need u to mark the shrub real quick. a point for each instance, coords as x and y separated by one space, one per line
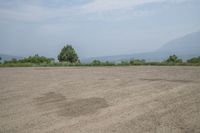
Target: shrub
137 62
194 60
124 63
36 59
96 63
107 63
173 59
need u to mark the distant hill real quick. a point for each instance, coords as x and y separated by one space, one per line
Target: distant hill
9 57
185 47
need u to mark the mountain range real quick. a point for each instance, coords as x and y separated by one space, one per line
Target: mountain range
184 47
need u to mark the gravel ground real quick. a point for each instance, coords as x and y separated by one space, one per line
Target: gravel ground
141 99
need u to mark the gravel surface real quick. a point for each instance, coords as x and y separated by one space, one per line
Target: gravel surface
143 99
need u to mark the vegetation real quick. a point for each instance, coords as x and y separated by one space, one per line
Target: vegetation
173 59
36 59
137 62
96 63
99 63
124 63
69 57
195 60
68 54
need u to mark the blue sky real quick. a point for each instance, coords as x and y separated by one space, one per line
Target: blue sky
94 27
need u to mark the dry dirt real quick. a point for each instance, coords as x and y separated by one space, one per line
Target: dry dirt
100 100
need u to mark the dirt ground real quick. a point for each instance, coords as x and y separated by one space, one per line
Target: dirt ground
139 99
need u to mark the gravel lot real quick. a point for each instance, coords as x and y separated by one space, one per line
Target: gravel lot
141 99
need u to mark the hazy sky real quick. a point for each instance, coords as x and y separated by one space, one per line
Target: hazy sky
93 27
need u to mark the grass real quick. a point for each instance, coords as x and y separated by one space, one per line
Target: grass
66 64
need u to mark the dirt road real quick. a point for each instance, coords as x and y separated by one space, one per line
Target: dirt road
100 100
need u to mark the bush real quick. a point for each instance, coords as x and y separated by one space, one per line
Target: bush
96 63
195 60
107 63
36 59
137 62
173 59
124 63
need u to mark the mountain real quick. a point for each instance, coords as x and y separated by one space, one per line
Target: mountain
9 57
150 56
188 45
184 47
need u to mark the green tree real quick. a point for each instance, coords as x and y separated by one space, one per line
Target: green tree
194 60
174 59
68 54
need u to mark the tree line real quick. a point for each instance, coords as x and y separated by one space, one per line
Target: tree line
69 57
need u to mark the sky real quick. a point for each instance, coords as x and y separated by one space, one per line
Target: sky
94 27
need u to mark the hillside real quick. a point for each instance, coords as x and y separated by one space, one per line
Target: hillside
188 45
185 47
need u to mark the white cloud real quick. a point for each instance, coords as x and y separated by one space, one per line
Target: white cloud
110 5
110 8
25 13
